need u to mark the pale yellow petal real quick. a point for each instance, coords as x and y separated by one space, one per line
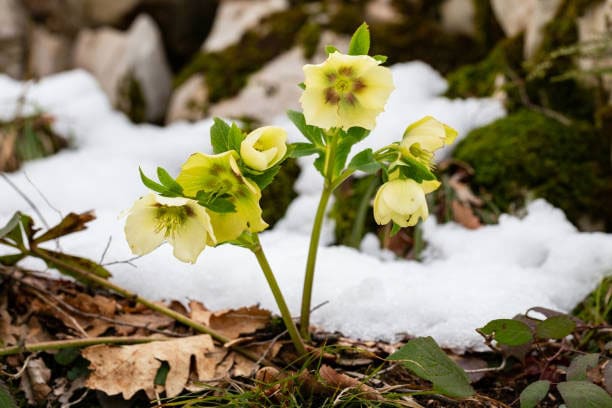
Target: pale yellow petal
356 115
317 111
141 229
190 240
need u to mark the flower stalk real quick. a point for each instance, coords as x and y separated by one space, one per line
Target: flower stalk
257 250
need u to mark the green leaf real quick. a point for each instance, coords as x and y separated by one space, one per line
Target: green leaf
347 140
583 394
427 360
577 370
360 42
416 170
219 132
67 356
302 86
556 327
219 204
69 224
10 225
74 261
263 179
6 399
364 161
162 373
169 182
534 393
395 228
380 58
11 260
312 133
304 149
152 185
330 49
235 138
509 332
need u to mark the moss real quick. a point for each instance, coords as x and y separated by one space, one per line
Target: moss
478 80
226 72
348 199
278 195
527 153
28 138
131 99
308 37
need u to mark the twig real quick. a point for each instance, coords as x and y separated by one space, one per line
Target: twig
21 370
110 239
127 261
76 324
78 343
75 402
44 197
26 198
100 317
269 348
487 369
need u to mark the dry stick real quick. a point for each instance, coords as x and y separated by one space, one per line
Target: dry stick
26 198
151 305
63 344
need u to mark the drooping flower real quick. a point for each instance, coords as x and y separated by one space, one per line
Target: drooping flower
345 91
401 201
220 175
264 147
180 221
425 136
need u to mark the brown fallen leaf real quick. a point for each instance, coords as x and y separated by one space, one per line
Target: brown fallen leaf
341 381
462 190
231 323
35 381
463 214
128 369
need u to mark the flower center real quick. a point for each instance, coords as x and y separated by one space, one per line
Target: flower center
171 218
422 155
343 86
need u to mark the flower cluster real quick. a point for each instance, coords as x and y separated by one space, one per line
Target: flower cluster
212 201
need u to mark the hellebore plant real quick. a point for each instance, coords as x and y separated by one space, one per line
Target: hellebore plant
214 199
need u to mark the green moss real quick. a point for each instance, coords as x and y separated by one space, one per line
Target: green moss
348 199
478 80
278 195
308 37
131 99
527 153
227 71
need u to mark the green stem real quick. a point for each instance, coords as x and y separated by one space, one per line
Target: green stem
278 296
328 188
143 301
78 343
362 211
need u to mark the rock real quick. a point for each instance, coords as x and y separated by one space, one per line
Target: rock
49 53
184 25
594 25
128 65
273 90
13 37
188 101
269 92
235 17
381 11
59 16
108 12
458 17
544 12
513 15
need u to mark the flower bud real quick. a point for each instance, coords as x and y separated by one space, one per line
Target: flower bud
401 201
423 137
264 147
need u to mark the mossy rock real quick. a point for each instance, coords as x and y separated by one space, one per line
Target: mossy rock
529 154
277 196
227 71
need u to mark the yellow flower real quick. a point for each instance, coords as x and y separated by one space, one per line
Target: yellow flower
401 201
219 174
345 91
424 137
180 221
264 147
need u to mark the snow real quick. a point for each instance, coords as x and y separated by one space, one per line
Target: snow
468 277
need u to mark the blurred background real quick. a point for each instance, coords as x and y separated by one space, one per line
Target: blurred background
548 61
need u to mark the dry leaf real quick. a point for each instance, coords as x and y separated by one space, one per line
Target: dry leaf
341 381
463 191
128 369
231 323
462 214
35 381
